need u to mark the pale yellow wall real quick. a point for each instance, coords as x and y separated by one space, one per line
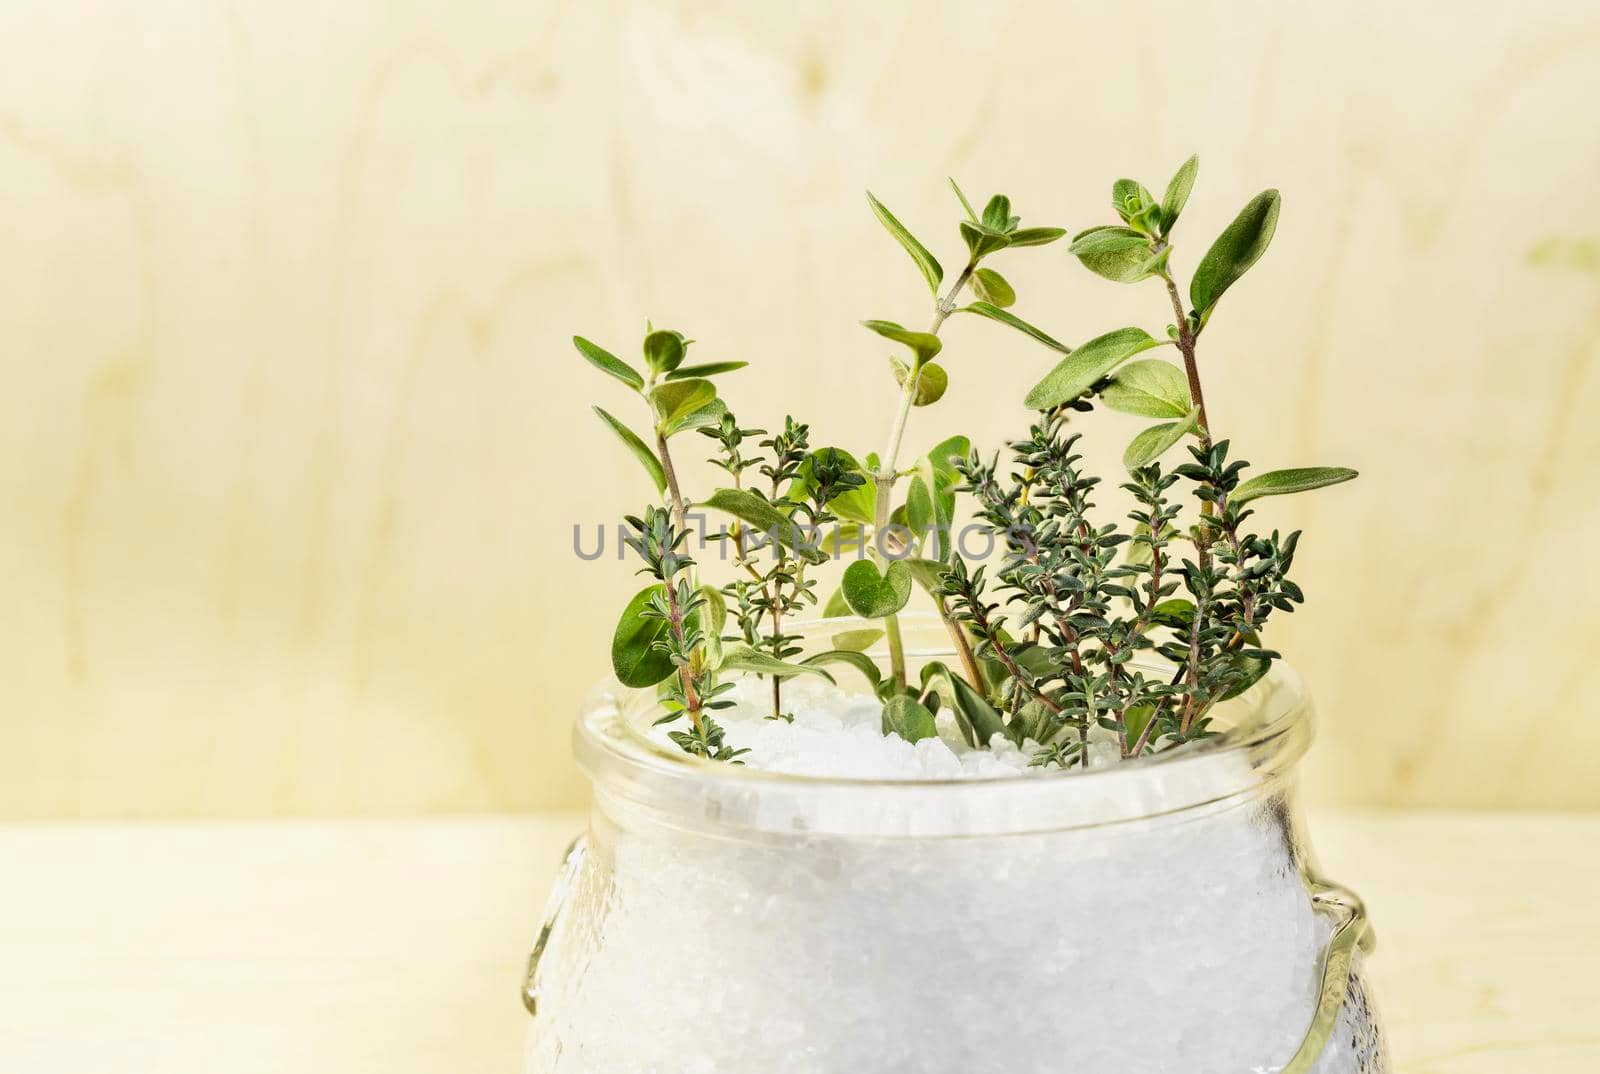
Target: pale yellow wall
288 407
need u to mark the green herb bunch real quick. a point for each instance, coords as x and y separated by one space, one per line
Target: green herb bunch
1046 639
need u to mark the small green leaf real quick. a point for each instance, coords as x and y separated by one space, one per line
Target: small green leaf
923 344
929 573
982 241
710 369
992 288
942 455
931 382
1117 253
1151 444
925 261
965 204
1252 668
872 595
860 661
767 520
664 350
1177 195
854 640
909 718
858 504
1136 719
995 313
745 658
607 362
1077 373
1283 482
677 399
1125 197
1176 613
845 538
997 214
1035 236
1149 388
1239 246
640 449
700 418
634 655
968 704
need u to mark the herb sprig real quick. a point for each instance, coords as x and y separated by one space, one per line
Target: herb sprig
1046 638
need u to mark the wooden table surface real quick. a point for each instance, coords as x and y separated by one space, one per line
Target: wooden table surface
395 946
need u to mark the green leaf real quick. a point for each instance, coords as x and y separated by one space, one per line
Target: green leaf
1177 195
1283 482
1125 197
699 418
992 288
942 454
634 655
929 573
1151 444
1117 253
931 382
995 313
1176 613
859 503
1252 667
909 718
930 514
872 595
710 369
767 520
1239 246
745 658
965 204
843 538
607 362
997 214
664 350
1077 373
1149 388
675 400
855 640
640 449
1035 236
970 705
860 661
923 344
926 263
982 241
1136 719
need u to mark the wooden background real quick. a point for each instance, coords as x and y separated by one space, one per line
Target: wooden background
292 441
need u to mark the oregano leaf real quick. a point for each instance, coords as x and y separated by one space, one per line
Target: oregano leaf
710 369
924 345
1117 253
1078 371
1240 245
1151 444
1177 195
995 313
1284 482
638 447
909 718
1149 388
992 288
926 263
768 521
664 350
874 595
931 382
607 362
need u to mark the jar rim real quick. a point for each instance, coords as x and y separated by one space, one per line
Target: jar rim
1266 730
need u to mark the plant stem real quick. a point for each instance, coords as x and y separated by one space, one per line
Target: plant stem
681 515
885 478
1186 344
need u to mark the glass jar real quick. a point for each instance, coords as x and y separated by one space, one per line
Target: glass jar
1159 915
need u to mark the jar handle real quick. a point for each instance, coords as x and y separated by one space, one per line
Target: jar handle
1352 931
552 914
